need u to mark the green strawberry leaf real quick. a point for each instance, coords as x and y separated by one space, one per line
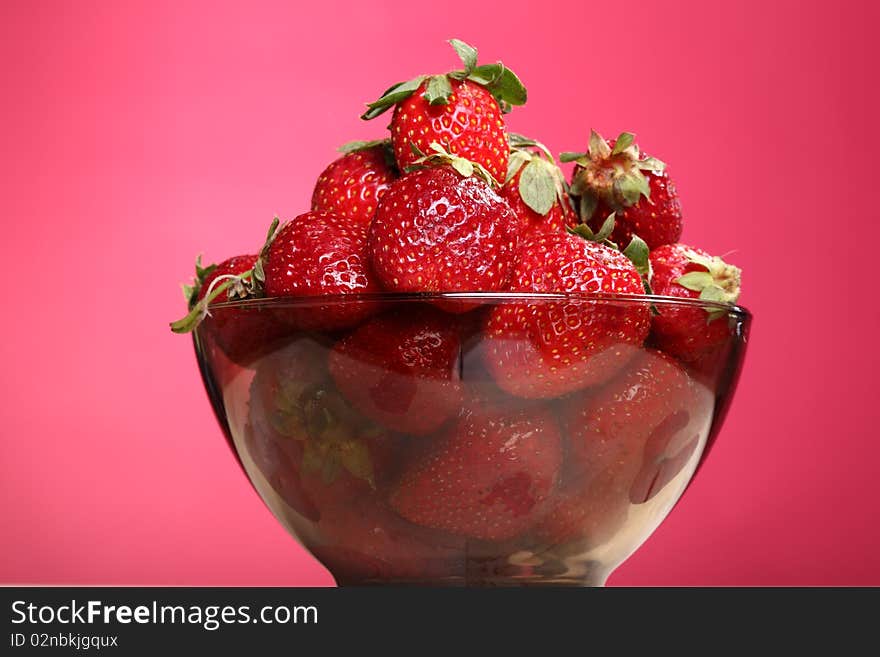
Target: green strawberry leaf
631 186
203 272
392 96
501 83
587 206
696 281
438 90
651 164
259 273
466 53
537 186
638 253
517 160
569 156
355 458
355 146
713 293
191 292
520 141
606 229
623 141
599 148
464 167
582 230
486 74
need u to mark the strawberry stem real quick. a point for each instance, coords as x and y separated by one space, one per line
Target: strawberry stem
195 316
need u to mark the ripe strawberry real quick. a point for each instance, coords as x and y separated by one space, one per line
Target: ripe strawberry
461 110
692 333
627 440
440 230
352 185
401 369
646 416
487 477
332 466
306 437
243 334
320 254
364 541
536 190
614 177
543 349
281 471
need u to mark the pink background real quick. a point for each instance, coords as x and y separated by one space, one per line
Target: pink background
136 135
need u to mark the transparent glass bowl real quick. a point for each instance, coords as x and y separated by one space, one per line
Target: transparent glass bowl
439 439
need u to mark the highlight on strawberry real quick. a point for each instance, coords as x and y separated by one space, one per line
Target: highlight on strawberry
459 365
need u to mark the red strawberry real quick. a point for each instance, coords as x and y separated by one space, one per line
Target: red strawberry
283 398
364 542
320 254
627 440
401 369
292 398
243 334
687 332
437 230
461 110
352 185
536 190
614 177
487 477
542 349
273 459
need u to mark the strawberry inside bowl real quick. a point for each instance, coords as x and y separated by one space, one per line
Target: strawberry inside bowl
495 438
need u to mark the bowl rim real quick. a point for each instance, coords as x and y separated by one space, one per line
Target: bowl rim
423 297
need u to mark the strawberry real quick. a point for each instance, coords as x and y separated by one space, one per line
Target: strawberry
352 185
280 470
284 385
461 110
332 466
306 438
364 541
615 177
543 349
443 229
614 461
243 334
401 369
320 254
486 477
687 332
536 189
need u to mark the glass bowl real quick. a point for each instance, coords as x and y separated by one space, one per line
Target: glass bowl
475 439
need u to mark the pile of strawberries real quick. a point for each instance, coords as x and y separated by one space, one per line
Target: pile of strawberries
452 202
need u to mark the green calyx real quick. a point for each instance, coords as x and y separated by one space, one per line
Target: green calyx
613 175
191 292
636 251
719 282
439 156
601 237
500 81
247 285
541 183
319 417
358 146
